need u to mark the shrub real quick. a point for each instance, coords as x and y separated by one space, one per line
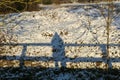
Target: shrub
47 1
19 6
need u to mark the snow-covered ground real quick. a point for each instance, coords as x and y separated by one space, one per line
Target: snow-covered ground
74 37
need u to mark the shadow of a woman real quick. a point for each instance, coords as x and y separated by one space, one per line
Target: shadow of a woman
58 50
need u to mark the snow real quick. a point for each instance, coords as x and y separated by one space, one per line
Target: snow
63 36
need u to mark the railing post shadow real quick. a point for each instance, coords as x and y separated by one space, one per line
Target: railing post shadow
105 56
23 55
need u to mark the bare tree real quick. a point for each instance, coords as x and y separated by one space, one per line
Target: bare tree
108 21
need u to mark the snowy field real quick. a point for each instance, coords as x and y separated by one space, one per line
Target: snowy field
73 37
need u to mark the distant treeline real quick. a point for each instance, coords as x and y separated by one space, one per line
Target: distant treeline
7 6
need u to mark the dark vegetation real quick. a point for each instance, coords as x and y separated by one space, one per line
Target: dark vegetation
52 73
9 6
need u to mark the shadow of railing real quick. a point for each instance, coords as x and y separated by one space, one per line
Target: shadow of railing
58 55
